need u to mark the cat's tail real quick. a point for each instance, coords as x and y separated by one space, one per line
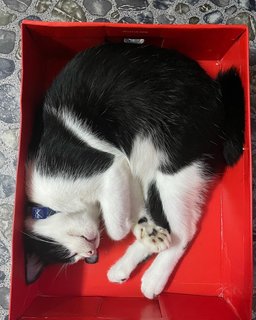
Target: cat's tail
233 100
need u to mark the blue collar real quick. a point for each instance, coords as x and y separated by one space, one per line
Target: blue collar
39 212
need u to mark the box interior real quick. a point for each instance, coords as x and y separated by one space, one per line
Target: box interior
215 275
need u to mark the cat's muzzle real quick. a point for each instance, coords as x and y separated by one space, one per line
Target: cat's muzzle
92 259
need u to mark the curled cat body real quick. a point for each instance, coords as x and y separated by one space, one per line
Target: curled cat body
135 134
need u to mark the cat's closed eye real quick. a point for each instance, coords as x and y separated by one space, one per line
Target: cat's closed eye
89 240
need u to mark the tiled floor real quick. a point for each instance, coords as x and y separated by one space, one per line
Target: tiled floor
126 11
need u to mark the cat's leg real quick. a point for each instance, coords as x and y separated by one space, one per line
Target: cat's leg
145 160
121 270
151 238
153 229
182 195
115 200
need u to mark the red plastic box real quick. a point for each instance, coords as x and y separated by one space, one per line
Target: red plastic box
214 279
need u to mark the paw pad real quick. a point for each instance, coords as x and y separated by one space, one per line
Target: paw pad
153 236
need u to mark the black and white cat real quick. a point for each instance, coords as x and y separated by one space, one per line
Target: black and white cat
136 134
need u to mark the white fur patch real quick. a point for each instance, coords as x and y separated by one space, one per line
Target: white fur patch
145 160
182 195
61 193
82 131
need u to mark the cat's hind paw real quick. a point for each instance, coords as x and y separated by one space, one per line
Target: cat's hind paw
155 238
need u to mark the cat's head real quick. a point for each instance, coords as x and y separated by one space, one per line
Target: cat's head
59 238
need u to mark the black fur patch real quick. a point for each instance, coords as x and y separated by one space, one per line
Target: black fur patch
153 233
62 153
230 83
47 250
155 208
142 220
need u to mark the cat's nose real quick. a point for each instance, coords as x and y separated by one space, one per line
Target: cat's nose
92 259
91 253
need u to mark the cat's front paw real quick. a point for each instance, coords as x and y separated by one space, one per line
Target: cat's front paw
155 238
119 272
153 283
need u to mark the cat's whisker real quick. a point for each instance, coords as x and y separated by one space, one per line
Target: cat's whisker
32 236
59 272
66 265
101 230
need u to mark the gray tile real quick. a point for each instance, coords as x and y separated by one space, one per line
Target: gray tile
165 19
253 55
4 254
252 5
10 138
182 8
7 188
192 2
247 4
4 296
194 20
2 276
18 51
2 159
101 20
42 5
205 7
145 17
127 20
115 15
6 212
162 4
221 3
6 17
68 10
15 162
9 103
134 5
253 92
245 18
98 7
7 67
19 75
214 17
18 5
7 41
231 10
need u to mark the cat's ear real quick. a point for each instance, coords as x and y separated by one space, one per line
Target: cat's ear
33 268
